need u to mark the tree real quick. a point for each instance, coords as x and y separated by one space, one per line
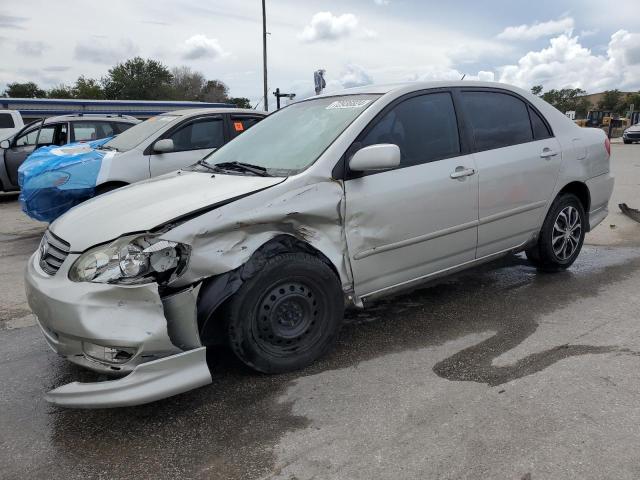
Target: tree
24 90
88 89
215 91
240 102
138 79
536 90
61 91
633 99
568 99
187 84
612 101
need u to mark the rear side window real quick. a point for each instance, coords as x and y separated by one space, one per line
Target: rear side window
240 124
87 131
498 119
424 127
6 121
540 129
199 134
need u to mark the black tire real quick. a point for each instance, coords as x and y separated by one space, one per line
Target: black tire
627 142
287 315
560 241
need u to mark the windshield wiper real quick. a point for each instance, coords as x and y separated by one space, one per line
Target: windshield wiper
211 168
107 147
245 167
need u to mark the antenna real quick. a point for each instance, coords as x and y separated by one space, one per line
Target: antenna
463 77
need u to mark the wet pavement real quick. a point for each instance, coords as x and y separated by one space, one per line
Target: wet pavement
498 372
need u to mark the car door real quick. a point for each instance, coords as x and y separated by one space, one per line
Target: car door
192 140
518 161
28 141
420 218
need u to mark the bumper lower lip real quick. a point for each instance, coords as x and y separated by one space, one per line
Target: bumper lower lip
148 382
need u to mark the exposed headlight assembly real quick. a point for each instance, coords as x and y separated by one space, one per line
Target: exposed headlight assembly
132 260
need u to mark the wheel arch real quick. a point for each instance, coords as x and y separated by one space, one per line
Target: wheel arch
217 289
580 190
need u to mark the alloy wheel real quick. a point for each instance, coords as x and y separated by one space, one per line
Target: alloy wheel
567 230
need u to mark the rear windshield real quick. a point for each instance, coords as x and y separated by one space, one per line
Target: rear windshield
6 120
134 136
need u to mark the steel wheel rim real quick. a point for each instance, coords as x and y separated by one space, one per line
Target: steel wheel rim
566 234
288 318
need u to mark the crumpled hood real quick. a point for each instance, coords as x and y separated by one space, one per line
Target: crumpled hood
148 204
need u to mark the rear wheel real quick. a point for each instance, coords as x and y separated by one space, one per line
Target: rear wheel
561 237
286 316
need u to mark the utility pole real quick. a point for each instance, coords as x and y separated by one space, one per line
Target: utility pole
280 95
264 56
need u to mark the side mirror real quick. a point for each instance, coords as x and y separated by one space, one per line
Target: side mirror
163 146
5 144
375 157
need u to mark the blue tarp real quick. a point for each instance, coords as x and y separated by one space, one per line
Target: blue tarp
54 179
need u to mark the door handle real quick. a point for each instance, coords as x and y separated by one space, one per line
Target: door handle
548 153
462 172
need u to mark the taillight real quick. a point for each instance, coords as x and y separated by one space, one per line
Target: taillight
607 146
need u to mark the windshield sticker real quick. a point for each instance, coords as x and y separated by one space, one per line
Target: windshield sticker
348 104
238 126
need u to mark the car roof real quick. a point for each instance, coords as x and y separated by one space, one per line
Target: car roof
77 117
407 87
188 112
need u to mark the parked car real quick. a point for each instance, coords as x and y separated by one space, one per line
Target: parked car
55 179
632 134
10 122
55 131
336 200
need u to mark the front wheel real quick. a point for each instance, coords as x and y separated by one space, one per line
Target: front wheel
561 237
287 315
627 142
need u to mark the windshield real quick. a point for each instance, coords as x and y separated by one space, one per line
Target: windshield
290 140
132 137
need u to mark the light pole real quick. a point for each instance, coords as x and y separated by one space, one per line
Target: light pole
264 56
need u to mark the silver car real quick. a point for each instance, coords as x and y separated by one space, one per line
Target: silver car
331 202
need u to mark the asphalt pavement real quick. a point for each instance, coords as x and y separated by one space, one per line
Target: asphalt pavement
498 372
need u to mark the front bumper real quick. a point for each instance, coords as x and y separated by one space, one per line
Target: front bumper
77 319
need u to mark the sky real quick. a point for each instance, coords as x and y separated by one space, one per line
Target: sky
590 44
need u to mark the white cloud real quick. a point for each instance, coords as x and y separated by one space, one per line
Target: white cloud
567 63
354 76
437 74
382 2
327 26
200 46
99 50
537 30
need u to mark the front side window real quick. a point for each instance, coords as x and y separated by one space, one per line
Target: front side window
290 140
498 119
27 138
423 127
199 134
47 135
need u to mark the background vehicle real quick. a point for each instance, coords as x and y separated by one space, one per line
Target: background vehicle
55 131
632 134
10 122
338 199
170 141
54 179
